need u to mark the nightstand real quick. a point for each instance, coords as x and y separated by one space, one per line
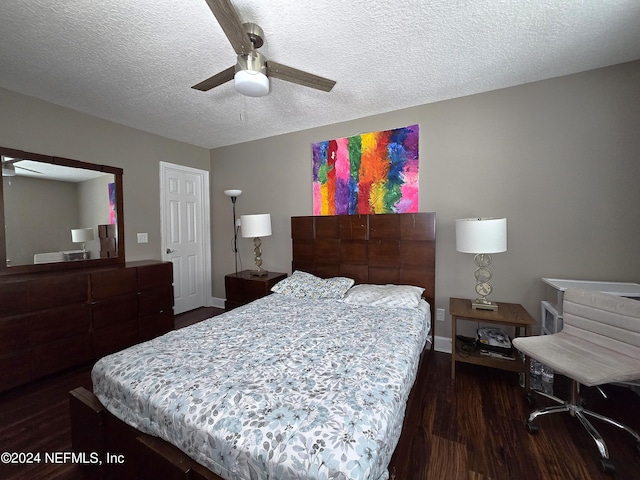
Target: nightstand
508 314
242 287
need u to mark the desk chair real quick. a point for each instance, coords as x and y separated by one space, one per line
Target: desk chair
599 343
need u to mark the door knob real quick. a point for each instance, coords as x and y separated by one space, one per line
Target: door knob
169 251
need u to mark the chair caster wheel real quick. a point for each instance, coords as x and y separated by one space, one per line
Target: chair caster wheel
607 465
532 427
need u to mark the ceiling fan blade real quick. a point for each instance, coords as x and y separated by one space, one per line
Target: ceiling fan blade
289 74
218 79
229 20
7 160
27 169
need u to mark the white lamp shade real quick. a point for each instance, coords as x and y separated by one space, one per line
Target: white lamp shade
254 226
251 83
481 235
80 235
233 193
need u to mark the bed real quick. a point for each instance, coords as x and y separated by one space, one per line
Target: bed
310 382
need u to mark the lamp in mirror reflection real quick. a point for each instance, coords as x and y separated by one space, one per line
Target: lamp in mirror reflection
256 226
234 194
83 235
482 236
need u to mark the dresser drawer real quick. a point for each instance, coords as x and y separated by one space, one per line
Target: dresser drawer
114 338
54 356
111 283
155 275
57 323
155 301
57 291
14 334
114 311
13 298
155 325
15 369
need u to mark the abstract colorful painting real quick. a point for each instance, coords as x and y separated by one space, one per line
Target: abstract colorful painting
112 203
373 172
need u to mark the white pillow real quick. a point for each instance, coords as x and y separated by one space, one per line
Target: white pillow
400 296
303 284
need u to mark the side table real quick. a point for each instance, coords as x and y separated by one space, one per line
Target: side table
242 287
508 314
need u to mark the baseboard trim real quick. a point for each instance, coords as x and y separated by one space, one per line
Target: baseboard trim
216 302
442 344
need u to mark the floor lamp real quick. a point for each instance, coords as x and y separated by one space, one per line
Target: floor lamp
234 194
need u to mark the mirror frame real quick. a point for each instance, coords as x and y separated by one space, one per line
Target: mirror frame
59 266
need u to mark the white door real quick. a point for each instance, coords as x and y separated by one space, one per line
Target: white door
184 193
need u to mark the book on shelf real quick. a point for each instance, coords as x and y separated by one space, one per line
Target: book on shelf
489 353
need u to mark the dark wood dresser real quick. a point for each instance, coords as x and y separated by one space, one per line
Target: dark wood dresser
242 287
53 321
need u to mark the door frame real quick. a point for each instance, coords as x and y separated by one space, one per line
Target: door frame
206 223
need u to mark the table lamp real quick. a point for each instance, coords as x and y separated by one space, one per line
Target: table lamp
83 235
482 236
256 226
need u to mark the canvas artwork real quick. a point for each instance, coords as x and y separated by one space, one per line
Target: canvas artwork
112 203
374 172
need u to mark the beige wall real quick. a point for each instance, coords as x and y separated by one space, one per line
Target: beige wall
93 198
51 208
36 126
559 158
39 215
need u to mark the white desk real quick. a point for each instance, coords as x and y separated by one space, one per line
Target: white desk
552 307
552 321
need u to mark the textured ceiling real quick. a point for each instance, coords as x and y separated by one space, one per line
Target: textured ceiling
133 61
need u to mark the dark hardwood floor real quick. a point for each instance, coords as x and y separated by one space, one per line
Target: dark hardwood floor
474 428
471 428
195 316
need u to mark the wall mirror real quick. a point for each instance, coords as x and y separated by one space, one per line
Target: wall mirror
58 213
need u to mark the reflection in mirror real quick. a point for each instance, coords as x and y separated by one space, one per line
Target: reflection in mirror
57 213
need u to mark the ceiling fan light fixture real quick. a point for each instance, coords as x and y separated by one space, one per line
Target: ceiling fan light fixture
251 83
250 73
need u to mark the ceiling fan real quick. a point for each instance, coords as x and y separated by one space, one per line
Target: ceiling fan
9 165
251 73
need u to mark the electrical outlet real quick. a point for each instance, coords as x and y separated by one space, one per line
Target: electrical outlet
440 314
143 238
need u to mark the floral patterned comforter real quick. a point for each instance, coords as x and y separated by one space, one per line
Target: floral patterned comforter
282 388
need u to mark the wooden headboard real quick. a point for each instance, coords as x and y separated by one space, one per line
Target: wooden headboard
388 248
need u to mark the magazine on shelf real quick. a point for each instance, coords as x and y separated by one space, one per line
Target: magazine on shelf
494 339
